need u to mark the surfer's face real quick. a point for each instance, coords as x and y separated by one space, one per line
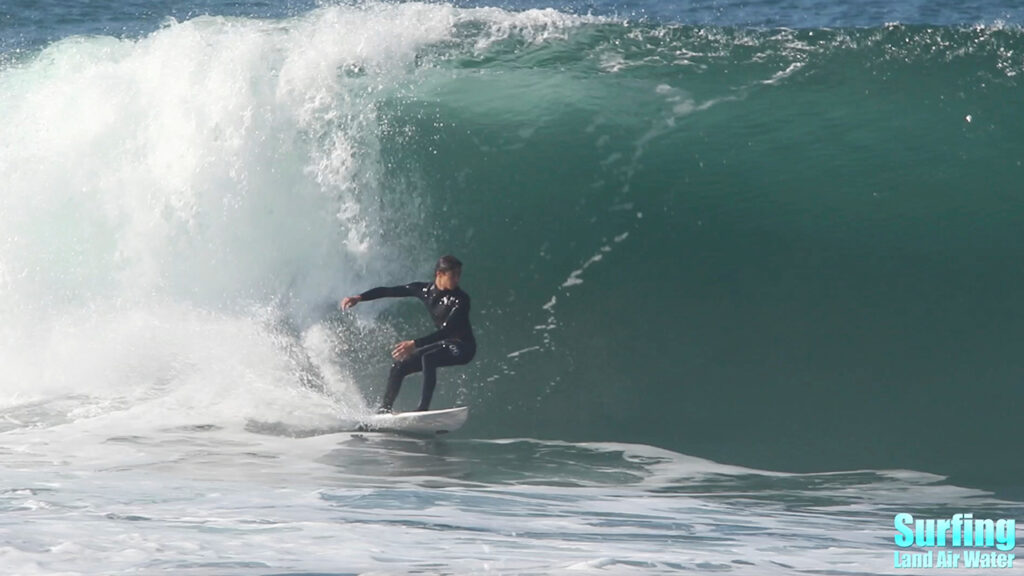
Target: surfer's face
448 279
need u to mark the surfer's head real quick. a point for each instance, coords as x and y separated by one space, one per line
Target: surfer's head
448 272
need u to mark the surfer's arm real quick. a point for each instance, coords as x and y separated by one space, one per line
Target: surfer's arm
458 317
412 289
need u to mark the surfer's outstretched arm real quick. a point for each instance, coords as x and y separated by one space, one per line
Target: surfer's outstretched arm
413 289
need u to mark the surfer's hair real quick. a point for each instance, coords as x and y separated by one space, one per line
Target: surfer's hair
448 263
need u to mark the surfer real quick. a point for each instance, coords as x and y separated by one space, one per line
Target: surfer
451 344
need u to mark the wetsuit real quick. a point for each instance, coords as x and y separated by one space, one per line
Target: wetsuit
450 345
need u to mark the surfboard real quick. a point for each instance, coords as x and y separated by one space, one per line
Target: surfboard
428 423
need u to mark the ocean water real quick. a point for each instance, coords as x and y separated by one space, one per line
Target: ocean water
745 278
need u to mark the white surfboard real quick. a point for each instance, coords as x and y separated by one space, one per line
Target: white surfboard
427 423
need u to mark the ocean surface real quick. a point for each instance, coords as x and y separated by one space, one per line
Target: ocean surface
746 280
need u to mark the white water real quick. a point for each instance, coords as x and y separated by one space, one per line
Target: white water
219 501
179 212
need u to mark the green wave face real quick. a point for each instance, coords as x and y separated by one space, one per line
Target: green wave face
792 249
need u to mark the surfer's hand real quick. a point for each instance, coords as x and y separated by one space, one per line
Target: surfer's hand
403 350
349 302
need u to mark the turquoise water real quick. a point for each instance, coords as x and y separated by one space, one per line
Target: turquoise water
806 237
743 278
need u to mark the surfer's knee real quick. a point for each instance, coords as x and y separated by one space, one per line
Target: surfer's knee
403 368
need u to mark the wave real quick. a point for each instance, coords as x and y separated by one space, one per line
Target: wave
686 236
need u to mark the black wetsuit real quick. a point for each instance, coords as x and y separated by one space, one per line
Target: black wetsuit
450 345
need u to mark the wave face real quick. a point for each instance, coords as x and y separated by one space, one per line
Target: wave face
784 248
